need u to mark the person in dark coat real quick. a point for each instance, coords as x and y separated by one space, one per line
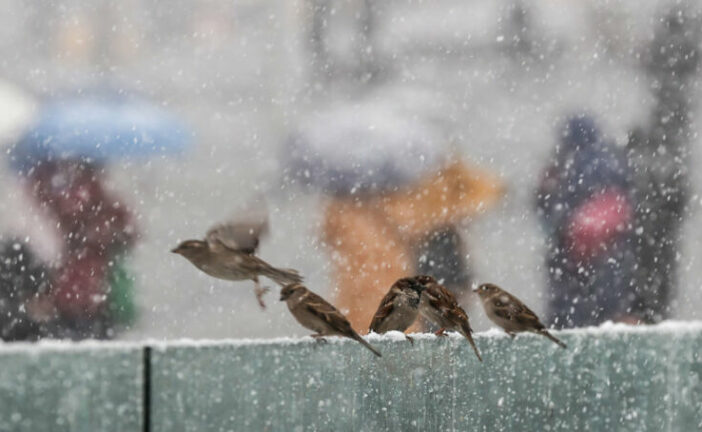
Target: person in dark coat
659 158
584 204
24 279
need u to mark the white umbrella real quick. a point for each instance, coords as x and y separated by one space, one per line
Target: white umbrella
17 109
365 147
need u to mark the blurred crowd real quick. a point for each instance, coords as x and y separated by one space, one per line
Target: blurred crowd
396 203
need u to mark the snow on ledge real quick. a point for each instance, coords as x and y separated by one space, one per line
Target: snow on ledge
667 327
51 345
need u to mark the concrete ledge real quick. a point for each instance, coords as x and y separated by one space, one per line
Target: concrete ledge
610 378
71 387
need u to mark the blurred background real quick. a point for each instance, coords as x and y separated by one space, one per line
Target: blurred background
250 98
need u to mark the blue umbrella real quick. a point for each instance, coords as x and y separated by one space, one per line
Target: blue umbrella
98 130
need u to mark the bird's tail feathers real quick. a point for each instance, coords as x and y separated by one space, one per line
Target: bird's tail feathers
553 338
467 332
282 277
363 342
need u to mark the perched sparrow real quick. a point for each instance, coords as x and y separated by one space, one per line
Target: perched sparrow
510 313
399 308
439 306
318 315
228 253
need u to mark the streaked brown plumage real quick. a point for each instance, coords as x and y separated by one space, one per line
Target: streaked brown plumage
439 306
318 315
399 308
228 253
510 313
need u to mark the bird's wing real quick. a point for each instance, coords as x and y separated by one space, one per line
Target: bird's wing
240 235
508 307
444 301
433 298
384 310
441 298
243 231
459 315
324 310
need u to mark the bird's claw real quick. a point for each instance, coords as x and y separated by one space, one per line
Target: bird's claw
441 332
260 292
410 339
320 339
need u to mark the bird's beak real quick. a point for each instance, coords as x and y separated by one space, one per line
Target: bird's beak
175 250
282 298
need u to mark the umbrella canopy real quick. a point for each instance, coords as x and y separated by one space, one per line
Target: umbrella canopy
98 130
363 148
16 111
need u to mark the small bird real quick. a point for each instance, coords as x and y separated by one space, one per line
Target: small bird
439 306
318 315
228 253
510 313
399 308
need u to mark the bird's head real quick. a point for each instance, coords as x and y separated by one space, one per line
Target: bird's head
486 289
191 248
415 285
424 281
289 290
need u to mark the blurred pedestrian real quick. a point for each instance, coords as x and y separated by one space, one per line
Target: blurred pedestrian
26 314
90 286
395 201
585 206
659 156
61 160
378 239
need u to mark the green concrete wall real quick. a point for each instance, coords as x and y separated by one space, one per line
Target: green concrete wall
621 379
605 381
71 388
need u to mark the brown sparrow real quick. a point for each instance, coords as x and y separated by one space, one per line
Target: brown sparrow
228 253
399 308
439 306
318 315
510 313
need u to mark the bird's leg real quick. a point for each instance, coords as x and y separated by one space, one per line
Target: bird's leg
319 338
441 332
410 339
259 291
512 335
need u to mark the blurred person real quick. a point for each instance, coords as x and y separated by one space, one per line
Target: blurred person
585 207
395 201
378 239
658 155
61 160
26 314
396 196
90 286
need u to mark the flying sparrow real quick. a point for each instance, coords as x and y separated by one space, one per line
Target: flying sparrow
510 313
318 315
439 306
399 308
228 253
